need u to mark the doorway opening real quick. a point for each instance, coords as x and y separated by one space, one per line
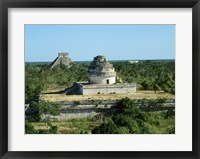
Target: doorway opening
107 81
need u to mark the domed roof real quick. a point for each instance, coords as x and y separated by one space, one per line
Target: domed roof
101 64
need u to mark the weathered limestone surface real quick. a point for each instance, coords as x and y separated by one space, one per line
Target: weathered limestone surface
101 71
92 108
62 59
108 89
81 109
90 89
101 80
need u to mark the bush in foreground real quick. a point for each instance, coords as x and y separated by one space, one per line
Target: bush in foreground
129 119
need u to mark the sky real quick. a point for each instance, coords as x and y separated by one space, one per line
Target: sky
84 42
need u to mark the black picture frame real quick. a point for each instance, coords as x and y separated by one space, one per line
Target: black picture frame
5 4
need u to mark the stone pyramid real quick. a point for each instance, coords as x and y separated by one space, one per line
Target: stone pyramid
62 59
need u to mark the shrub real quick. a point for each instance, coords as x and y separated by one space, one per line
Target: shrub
170 130
127 119
106 128
169 114
29 129
77 103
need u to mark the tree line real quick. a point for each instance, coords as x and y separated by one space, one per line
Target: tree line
149 75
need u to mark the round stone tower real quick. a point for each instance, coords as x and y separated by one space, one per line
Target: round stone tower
101 71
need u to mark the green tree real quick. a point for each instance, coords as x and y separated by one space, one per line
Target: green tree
127 119
46 109
33 85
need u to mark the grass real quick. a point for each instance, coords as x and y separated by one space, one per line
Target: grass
158 123
72 126
138 95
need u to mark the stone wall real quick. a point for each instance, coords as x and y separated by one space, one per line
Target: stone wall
102 80
87 108
91 89
108 89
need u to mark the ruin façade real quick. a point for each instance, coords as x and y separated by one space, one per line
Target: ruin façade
102 79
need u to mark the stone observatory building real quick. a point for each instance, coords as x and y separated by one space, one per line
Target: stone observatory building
62 59
101 80
101 71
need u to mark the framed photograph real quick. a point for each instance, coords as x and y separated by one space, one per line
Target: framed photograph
103 79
